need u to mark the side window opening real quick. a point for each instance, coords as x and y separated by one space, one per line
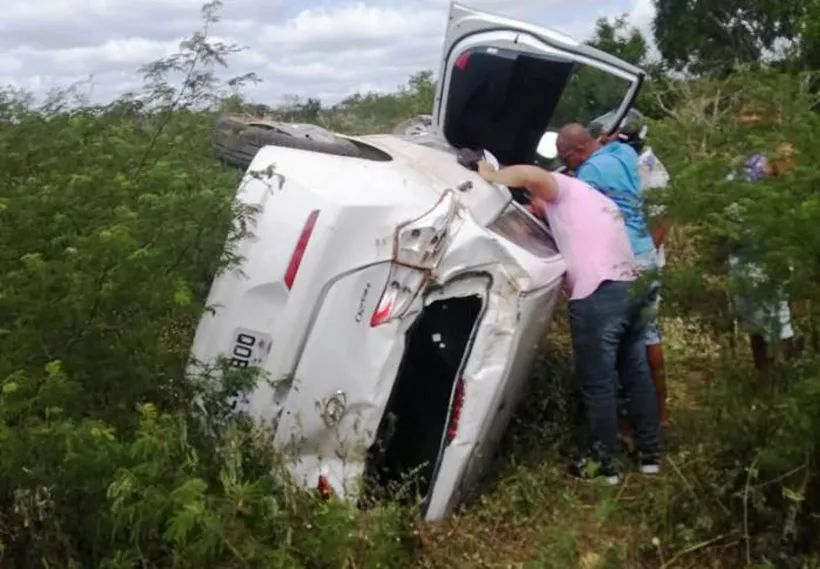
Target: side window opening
518 226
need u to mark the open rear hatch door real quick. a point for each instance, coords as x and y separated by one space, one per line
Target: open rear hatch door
503 84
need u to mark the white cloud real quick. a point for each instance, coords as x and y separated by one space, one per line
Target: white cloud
122 53
354 24
642 14
10 64
321 48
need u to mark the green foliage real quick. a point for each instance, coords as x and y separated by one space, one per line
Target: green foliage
114 220
705 143
709 35
758 472
621 40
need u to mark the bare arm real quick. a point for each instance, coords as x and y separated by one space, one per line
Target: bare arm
660 231
538 181
659 223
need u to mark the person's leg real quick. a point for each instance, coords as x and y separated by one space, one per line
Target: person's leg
748 313
596 324
651 283
657 370
792 348
760 352
654 356
763 319
767 321
634 372
784 330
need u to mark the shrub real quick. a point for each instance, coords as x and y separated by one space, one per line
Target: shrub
114 220
756 473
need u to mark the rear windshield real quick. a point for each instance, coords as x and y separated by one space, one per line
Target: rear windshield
517 226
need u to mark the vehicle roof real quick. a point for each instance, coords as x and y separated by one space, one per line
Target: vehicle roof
428 159
429 155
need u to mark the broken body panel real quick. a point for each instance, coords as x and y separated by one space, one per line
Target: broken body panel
397 305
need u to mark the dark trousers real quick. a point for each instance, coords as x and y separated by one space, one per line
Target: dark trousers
607 342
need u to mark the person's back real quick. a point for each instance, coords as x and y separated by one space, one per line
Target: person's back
614 170
589 230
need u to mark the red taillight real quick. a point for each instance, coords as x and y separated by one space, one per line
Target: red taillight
299 250
403 285
381 314
325 490
461 60
418 247
455 411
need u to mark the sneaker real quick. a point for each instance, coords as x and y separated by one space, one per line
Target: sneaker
649 464
588 469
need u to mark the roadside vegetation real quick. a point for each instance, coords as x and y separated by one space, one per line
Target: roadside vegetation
113 220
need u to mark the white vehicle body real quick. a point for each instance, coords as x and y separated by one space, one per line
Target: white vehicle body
403 298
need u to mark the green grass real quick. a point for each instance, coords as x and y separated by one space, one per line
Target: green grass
531 514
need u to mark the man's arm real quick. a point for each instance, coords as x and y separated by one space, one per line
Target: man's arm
656 178
536 208
538 181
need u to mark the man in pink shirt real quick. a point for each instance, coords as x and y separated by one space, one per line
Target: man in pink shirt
606 319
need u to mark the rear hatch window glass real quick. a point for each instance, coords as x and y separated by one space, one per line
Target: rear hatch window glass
518 226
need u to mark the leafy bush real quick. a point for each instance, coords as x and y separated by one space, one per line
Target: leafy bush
756 476
114 220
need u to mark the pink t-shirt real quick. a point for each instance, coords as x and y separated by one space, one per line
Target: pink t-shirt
590 233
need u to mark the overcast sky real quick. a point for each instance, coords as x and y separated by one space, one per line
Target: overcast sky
320 48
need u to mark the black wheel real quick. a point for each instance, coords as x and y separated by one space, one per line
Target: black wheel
236 140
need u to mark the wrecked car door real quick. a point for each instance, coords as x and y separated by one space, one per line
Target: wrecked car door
504 83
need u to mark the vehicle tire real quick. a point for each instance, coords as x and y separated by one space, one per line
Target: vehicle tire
236 140
418 124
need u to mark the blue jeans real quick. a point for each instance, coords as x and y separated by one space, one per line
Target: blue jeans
648 263
607 342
